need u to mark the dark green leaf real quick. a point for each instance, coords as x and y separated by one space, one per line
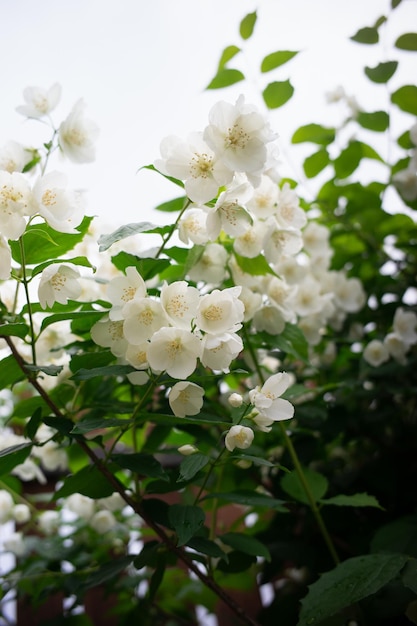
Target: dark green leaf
33 424
276 94
42 243
399 536
191 465
315 163
315 133
228 53
275 59
14 330
395 3
92 316
61 424
147 557
406 98
105 241
236 562
409 575
10 372
347 584
292 341
356 500
186 521
316 482
109 370
377 121
90 360
225 77
366 35
147 268
13 456
89 423
404 141
246 543
250 498
177 204
408 41
141 464
247 25
205 546
382 72
108 571
89 481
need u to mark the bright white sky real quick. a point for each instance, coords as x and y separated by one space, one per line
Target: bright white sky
141 67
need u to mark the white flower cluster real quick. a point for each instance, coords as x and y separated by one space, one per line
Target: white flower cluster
405 180
395 344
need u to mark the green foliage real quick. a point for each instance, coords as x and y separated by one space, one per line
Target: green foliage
366 35
408 41
382 72
314 133
247 25
225 77
406 98
276 59
276 94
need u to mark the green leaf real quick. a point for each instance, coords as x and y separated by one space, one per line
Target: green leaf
191 465
366 35
10 372
292 485
382 72
108 370
404 140
42 243
148 555
225 77
407 41
140 463
33 424
14 456
377 121
152 168
258 266
205 546
246 543
399 536
275 59
228 53
250 498
89 481
91 422
315 133
395 3
409 575
315 163
276 94
406 98
186 521
351 581
50 370
247 25
147 268
177 204
356 500
108 571
348 160
90 360
92 316
128 230
78 260
14 330
292 341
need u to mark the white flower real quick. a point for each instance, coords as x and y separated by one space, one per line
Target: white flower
196 164
175 351
397 347
308 299
21 513
109 334
376 353
114 502
406 182
83 506
220 350
5 259
103 521
136 355
15 543
187 449
48 522
238 134
229 213
270 319
186 399
39 101
251 242
281 293
348 293
221 311
143 317
52 456
264 202
6 506
123 289
267 399
404 324
235 400
58 284
211 266
315 237
77 135
289 213
192 227
251 301
13 157
15 204
179 302
60 207
239 437
280 241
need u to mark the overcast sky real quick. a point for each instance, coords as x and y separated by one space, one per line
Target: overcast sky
142 66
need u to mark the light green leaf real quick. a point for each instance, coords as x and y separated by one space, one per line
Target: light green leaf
377 121
186 521
356 500
366 35
191 465
247 544
408 41
275 59
177 204
315 163
258 266
276 94
292 485
406 98
314 133
382 72
247 25
228 53
226 77
152 168
105 241
351 581
395 3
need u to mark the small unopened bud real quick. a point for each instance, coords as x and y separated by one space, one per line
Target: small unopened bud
187 449
235 400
